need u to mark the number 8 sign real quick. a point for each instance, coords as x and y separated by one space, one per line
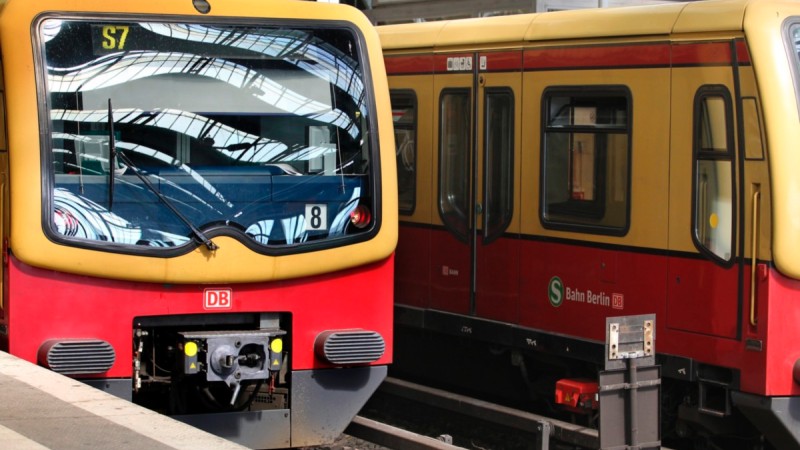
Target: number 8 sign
317 217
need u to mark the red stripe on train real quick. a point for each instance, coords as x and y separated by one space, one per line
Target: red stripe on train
594 57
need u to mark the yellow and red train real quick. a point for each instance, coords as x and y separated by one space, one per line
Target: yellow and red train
198 206
561 168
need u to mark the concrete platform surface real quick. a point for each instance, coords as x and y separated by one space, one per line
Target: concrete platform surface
40 409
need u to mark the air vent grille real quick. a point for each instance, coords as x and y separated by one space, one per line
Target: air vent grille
77 357
350 347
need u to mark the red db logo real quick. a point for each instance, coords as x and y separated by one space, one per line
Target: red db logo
217 299
618 301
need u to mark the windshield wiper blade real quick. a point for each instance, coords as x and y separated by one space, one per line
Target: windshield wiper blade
112 157
127 161
195 231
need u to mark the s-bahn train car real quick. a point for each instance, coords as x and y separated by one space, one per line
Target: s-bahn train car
198 204
561 168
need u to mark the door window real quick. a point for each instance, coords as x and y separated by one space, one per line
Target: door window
499 157
713 173
454 160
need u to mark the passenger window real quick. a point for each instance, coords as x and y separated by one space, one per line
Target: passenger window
454 160
499 156
404 113
713 173
585 160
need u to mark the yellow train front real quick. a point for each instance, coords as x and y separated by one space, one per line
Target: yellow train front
199 209
559 169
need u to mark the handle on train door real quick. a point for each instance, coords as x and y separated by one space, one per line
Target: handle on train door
754 252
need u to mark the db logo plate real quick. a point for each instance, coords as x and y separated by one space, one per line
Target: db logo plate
217 299
618 301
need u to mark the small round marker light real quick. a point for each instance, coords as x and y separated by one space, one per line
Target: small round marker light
360 217
190 348
276 345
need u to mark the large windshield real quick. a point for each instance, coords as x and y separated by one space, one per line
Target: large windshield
793 48
160 130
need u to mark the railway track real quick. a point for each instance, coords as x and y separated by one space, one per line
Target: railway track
393 437
527 430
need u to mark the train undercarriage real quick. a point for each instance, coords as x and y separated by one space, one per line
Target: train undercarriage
697 412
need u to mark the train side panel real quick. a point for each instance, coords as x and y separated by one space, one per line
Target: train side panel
413 110
647 175
592 271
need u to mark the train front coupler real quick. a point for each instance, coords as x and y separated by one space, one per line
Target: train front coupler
233 356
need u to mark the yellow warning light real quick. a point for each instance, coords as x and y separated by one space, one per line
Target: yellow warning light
190 349
276 345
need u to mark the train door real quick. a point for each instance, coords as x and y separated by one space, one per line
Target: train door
704 290
451 255
497 208
475 262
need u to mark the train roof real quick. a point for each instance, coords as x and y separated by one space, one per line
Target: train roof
664 19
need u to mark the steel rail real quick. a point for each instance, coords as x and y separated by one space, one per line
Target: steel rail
544 427
393 437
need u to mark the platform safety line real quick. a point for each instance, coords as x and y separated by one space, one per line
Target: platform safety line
149 423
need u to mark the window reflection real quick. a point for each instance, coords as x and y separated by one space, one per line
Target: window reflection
313 56
454 161
237 125
585 160
713 184
226 141
404 114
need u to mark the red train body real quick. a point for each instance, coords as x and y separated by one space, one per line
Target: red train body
556 170
198 208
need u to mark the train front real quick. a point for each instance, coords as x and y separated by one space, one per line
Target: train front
196 212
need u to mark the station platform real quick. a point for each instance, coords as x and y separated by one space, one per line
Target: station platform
40 409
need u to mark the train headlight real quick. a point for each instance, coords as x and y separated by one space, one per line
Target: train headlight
361 217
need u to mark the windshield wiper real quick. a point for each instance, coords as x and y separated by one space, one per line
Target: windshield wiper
112 157
127 161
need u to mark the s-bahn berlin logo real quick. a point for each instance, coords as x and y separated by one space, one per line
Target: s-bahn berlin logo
557 292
